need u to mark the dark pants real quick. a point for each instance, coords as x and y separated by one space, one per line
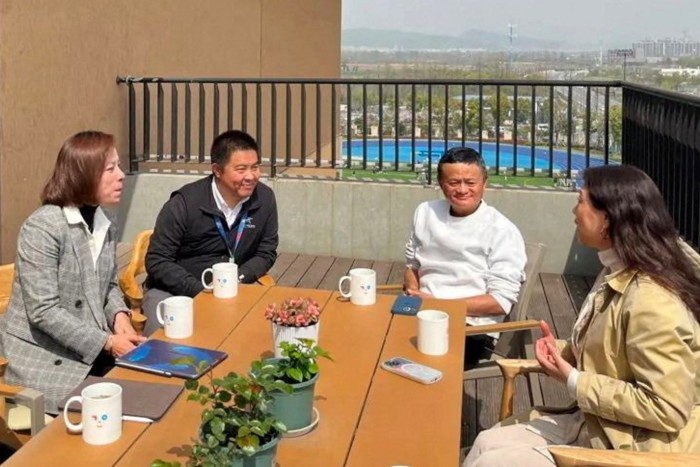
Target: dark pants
102 365
477 348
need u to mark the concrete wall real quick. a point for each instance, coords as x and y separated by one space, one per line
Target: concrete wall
59 61
372 220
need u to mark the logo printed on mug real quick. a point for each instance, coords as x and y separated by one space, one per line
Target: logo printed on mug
177 316
363 286
224 282
101 407
100 420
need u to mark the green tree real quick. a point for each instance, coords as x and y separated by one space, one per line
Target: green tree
504 108
615 125
524 110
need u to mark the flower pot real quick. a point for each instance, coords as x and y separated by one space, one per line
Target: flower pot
288 334
295 410
265 457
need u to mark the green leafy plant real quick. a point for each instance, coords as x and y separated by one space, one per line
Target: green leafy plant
299 362
236 421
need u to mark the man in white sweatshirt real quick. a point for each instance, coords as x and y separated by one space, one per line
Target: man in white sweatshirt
462 248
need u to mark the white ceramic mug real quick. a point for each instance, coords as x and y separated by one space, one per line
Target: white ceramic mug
101 413
363 286
433 332
224 280
176 314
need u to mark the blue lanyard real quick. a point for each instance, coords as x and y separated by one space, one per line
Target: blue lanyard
239 233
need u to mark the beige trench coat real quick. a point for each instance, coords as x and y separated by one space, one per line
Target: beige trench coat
639 387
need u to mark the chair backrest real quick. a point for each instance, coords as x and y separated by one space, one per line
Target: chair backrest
7 275
129 280
510 344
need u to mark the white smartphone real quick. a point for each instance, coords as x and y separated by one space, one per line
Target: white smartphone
412 370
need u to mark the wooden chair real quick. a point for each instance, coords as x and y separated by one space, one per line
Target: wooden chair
567 456
25 411
513 343
7 275
131 279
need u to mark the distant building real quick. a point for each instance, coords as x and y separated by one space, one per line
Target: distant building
694 72
651 50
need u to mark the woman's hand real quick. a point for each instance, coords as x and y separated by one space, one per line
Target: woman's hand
119 344
549 356
122 324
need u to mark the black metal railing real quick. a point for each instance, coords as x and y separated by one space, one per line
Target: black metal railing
548 128
662 137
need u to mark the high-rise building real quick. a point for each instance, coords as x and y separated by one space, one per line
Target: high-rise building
665 48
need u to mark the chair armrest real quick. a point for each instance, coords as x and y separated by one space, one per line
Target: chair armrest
134 295
512 367
389 287
566 456
510 326
266 280
30 398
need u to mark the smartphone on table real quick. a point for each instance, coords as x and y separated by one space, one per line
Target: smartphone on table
406 305
412 370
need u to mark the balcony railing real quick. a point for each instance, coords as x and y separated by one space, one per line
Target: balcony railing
554 127
523 128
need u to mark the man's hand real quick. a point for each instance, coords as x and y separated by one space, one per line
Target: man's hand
549 356
410 280
417 293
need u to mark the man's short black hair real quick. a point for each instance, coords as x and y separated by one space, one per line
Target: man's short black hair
464 155
229 142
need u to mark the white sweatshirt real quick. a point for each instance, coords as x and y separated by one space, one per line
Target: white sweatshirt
461 257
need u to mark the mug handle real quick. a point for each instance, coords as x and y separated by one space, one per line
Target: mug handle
340 286
159 312
73 428
204 273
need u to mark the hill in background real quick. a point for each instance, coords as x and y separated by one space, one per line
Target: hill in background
470 39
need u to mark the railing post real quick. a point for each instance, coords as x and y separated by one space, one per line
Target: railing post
133 158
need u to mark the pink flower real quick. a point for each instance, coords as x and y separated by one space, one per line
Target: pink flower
296 312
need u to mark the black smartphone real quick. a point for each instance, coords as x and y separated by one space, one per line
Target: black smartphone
406 305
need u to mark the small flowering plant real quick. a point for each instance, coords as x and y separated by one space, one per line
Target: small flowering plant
294 312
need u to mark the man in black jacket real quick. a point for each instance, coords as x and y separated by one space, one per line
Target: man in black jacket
227 216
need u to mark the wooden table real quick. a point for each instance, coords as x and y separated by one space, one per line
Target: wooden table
368 416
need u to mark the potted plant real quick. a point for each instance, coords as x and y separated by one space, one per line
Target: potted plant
237 427
297 368
294 318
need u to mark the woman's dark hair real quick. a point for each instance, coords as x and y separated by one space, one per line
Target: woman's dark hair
642 230
79 166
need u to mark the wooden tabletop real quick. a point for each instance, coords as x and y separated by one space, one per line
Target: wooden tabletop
367 415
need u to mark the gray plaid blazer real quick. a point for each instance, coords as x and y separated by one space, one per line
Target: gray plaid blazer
62 307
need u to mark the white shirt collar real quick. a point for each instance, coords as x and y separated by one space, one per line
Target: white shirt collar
610 260
100 227
229 212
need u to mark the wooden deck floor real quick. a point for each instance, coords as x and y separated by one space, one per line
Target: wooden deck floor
556 299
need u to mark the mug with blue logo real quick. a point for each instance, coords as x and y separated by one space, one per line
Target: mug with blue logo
101 413
177 316
363 286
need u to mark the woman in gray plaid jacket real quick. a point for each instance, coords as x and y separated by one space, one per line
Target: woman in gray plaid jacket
66 314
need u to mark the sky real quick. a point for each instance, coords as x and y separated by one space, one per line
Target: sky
580 21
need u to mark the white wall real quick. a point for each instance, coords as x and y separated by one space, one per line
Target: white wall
372 220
